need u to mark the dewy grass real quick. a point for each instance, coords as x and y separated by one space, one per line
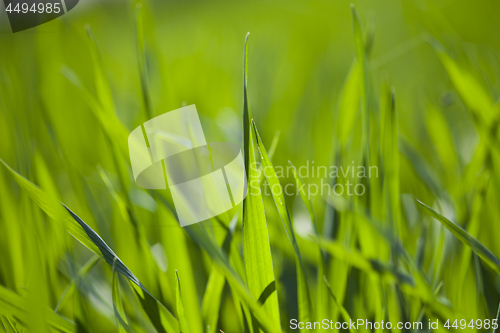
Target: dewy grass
418 246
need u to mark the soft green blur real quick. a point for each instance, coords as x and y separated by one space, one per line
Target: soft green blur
439 144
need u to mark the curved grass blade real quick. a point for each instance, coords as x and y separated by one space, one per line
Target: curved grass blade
476 246
90 239
117 302
304 300
180 306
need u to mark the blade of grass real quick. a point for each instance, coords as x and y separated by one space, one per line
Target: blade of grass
304 300
117 302
89 238
180 305
215 286
343 311
476 246
256 248
201 237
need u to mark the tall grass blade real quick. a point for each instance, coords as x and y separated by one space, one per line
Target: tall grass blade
180 305
215 286
256 246
304 300
117 302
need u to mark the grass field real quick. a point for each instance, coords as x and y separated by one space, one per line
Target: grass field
407 89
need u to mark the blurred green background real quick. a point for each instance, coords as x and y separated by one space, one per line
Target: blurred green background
301 54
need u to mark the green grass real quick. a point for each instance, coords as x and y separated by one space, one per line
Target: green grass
411 89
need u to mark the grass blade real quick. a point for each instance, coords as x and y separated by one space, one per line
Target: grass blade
117 303
343 311
304 300
89 238
180 306
215 286
256 246
476 246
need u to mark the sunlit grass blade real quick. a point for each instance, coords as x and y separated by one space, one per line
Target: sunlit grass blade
476 246
256 248
202 239
215 286
304 300
272 150
13 305
89 238
180 305
117 302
